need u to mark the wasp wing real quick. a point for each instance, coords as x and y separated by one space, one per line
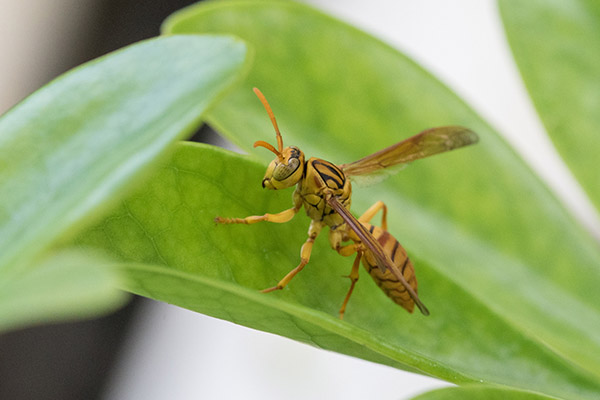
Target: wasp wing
427 143
383 260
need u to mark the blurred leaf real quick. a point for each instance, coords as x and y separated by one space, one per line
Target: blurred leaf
79 142
66 285
557 47
479 393
75 146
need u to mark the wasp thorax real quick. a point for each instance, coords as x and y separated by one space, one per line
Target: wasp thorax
284 173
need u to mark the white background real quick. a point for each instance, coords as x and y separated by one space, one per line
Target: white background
176 354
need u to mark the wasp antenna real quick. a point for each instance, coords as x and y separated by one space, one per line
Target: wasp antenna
270 147
265 103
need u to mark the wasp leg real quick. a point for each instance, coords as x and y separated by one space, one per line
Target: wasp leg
370 213
348 250
353 278
280 218
313 232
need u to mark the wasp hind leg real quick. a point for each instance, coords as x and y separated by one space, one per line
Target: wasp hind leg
313 232
374 209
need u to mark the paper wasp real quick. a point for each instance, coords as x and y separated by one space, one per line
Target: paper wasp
325 192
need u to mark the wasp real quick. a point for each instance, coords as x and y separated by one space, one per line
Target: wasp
324 190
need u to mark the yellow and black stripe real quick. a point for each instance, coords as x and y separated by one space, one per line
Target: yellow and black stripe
387 281
333 177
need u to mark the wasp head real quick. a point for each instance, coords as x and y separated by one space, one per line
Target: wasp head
287 168
285 171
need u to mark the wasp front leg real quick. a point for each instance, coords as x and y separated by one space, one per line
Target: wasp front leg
279 218
313 232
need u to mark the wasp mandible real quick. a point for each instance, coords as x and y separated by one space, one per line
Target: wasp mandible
324 189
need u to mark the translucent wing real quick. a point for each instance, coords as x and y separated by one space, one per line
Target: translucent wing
375 177
383 260
427 143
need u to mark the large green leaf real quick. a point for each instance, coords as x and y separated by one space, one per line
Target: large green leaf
479 393
217 270
557 47
511 280
80 141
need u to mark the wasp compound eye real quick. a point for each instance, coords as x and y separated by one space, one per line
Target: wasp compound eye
283 171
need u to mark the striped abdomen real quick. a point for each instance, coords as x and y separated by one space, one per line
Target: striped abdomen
387 281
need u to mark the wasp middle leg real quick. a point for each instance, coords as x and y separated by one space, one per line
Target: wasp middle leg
313 232
353 279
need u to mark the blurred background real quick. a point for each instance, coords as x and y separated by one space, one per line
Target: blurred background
152 350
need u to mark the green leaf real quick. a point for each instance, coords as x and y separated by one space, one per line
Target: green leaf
479 393
556 45
188 260
80 142
66 285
